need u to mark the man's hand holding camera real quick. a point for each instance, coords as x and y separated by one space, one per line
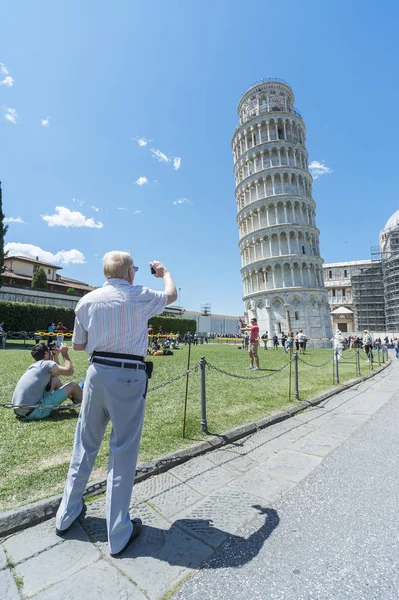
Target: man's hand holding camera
158 269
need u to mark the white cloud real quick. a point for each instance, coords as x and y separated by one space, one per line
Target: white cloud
137 212
95 208
177 162
141 141
182 201
13 220
317 169
64 217
64 257
45 122
8 81
80 202
10 114
160 155
141 180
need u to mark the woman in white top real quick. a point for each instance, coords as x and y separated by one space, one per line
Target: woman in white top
338 344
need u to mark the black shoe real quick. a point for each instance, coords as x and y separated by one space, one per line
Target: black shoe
137 523
62 532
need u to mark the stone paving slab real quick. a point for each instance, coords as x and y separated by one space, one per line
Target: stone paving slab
218 515
318 443
99 581
8 587
162 555
266 487
208 482
42 559
291 465
191 468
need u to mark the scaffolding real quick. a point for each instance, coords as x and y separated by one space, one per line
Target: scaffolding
390 267
368 298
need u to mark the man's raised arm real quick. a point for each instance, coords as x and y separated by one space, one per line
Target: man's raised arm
170 286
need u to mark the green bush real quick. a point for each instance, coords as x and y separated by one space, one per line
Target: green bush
21 316
71 291
173 324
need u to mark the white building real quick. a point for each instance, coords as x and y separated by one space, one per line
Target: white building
278 238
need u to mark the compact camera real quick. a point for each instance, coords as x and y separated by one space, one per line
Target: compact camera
51 346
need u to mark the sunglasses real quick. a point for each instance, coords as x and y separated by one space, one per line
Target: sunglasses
135 269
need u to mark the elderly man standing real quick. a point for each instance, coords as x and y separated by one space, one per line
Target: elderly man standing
111 325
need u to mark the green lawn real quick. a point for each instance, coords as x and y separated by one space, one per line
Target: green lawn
34 456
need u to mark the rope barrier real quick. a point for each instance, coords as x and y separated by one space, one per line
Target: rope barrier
310 365
162 385
247 376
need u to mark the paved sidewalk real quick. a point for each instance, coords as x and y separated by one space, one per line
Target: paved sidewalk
191 510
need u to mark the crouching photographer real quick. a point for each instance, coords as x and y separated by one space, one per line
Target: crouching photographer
39 390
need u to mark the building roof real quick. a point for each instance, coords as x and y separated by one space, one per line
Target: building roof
393 221
32 260
349 263
341 310
62 282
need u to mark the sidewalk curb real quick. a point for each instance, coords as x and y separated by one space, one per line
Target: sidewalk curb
37 512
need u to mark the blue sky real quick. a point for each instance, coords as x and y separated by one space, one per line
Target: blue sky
83 81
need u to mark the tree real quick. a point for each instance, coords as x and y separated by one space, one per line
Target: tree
3 231
71 291
39 279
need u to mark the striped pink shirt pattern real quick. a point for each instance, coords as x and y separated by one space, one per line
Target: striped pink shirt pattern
114 318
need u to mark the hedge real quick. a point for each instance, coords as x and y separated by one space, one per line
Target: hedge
22 316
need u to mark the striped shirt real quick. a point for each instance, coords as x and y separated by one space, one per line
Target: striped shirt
114 318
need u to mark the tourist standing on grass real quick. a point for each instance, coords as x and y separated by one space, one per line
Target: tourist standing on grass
111 326
275 341
39 390
367 342
302 342
396 346
338 344
50 331
253 330
60 330
265 339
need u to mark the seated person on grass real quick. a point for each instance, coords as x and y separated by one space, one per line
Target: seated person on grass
39 390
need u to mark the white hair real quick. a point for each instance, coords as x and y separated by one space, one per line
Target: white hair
117 264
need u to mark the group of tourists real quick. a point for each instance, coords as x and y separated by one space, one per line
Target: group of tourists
340 343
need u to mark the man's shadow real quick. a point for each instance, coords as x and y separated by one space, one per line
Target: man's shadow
191 542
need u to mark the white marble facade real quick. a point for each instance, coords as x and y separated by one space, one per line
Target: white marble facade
281 267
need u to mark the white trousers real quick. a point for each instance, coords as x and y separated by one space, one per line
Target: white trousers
338 354
116 395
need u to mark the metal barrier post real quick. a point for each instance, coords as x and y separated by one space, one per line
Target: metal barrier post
336 368
378 355
371 360
383 356
296 376
358 363
204 425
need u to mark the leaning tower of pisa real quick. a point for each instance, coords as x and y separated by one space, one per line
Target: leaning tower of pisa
281 267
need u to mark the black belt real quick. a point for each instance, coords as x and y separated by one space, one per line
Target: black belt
116 355
115 363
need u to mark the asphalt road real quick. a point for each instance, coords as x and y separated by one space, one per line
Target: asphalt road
335 536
